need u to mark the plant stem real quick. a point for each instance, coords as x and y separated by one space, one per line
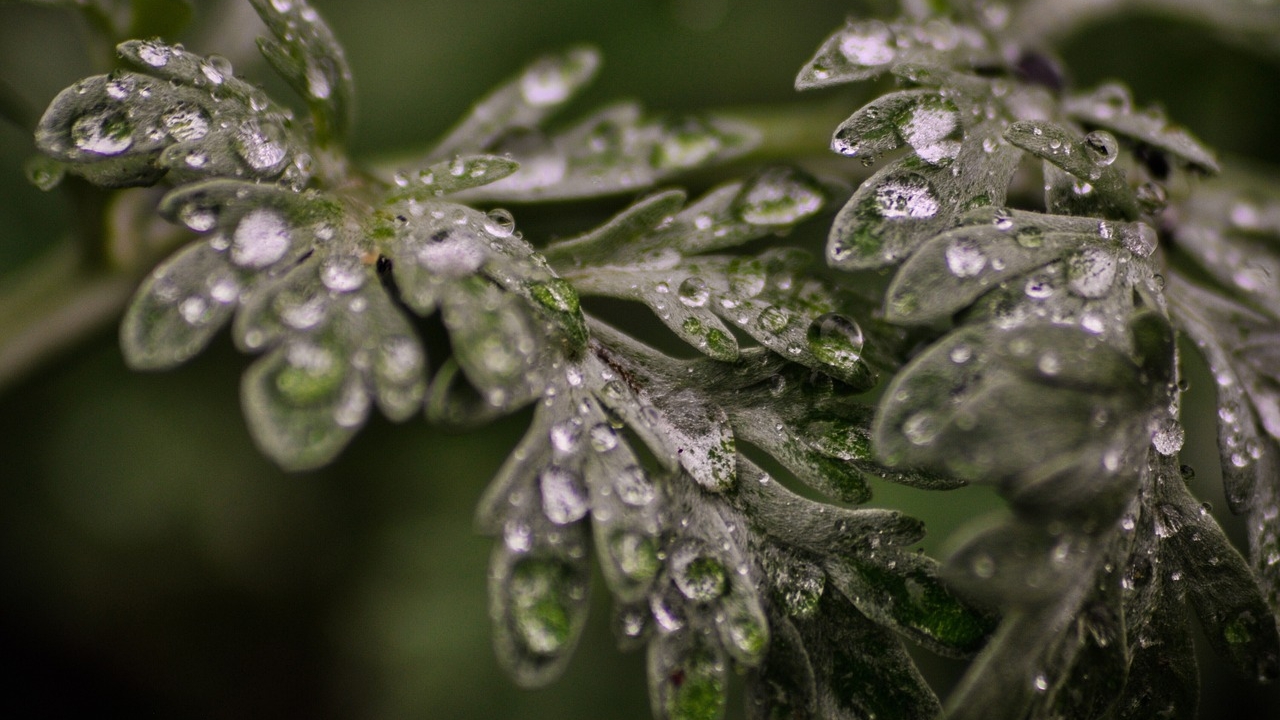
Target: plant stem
55 303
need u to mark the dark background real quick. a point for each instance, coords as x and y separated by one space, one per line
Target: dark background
153 564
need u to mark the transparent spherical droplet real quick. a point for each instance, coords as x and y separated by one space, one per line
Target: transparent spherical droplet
867 44
699 577
1101 147
196 159
1039 286
342 273
965 258
121 87
921 428
260 145
153 54
1139 238
282 5
779 198
546 85
106 132
835 340
400 359
185 123
747 277
539 606
634 486
693 291
961 354
636 554
451 252
564 496
773 319
603 437
261 239
910 196
1167 436
302 313
194 310
199 218
499 223
311 373
318 85
565 435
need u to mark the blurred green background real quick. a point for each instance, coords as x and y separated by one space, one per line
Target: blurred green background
152 564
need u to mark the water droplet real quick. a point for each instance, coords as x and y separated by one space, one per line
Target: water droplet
153 54
693 292
1091 272
984 566
260 145
1049 364
106 132
499 223
634 487
1041 682
1111 100
311 373
342 273
1039 286
836 340
961 354
636 554
921 428
699 577
1101 147
603 437
1167 436
283 6
565 435
318 85
965 258
564 496
909 196
545 85
195 310
779 197
199 218
747 278
261 239
1139 238
185 122
773 319
540 608
867 44
121 87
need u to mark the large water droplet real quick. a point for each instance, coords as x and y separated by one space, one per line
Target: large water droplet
154 54
603 437
1139 238
1091 272
261 239
636 554
540 609
260 145
342 273
199 218
185 123
921 428
965 258
867 44
564 496
448 252
700 577
909 196
1102 148
1167 436
499 223
565 435
106 132
311 373
694 292
836 340
634 486
779 197
773 319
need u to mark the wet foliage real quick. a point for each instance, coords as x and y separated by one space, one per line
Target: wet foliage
1043 259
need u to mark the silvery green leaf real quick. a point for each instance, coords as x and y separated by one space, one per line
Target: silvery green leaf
626 236
1110 107
538 593
616 150
860 668
964 404
303 403
902 590
179 307
304 51
688 676
132 128
1096 188
522 103
496 341
1214 324
1238 622
785 684
863 49
450 176
924 119
1229 226
910 200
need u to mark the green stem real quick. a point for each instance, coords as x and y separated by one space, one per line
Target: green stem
55 303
